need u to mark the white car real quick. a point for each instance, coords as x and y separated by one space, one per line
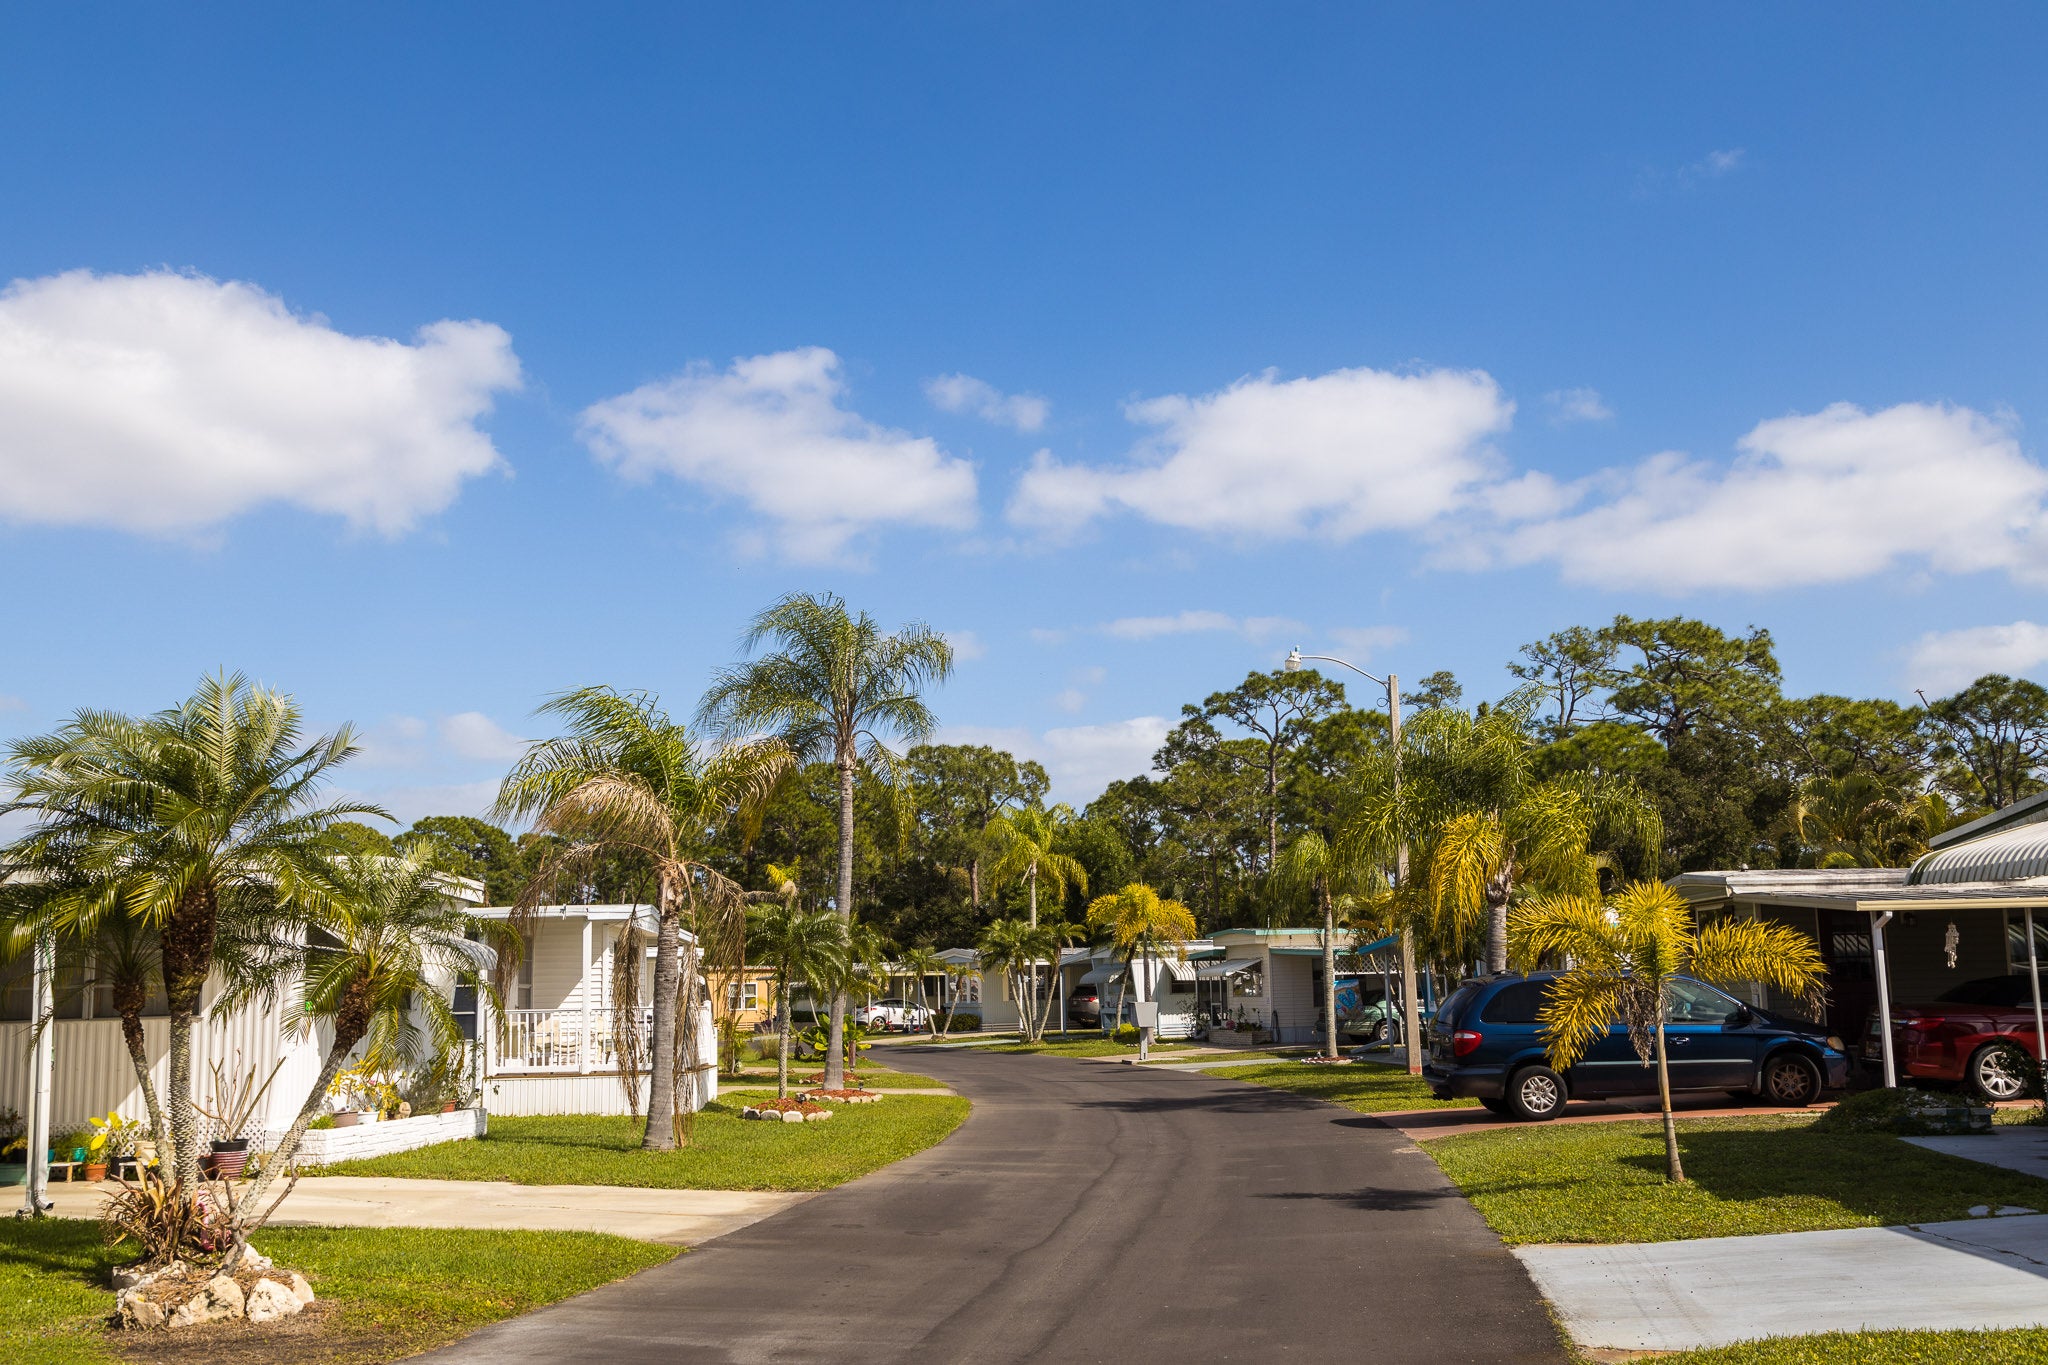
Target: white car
888 1016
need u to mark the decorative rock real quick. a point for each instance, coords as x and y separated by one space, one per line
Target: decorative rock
269 1301
133 1277
1980 1210
2013 1210
792 1116
220 1298
813 1118
300 1289
139 1311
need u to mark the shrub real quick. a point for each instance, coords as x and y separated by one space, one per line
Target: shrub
1127 1033
964 1023
767 1047
1908 1113
322 1121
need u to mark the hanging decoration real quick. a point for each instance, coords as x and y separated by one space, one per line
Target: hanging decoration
1949 943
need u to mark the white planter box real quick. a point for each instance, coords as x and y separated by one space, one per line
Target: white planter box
325 1145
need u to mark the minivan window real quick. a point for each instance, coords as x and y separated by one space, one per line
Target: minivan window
1689 1002
1452 1012
1514 1004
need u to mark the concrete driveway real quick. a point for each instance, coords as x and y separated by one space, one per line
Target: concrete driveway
1086 1213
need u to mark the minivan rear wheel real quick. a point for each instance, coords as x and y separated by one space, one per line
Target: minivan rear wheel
1535 1093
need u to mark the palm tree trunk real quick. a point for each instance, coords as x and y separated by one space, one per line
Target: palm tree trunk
187 949
660 1133
1122 981
1674 1170
1031 880
782 1048
689 1040
835 1043
279 1160
129 997
1329 976
1498 891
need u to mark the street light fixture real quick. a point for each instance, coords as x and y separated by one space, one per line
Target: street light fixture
1411 1030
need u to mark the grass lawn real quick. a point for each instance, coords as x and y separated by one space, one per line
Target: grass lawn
1081 1045
725 1151
880 1077
2021 1346
1368 1087
385 1292
1604 1182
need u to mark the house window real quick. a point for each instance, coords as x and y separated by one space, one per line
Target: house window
1250 981
522 989
742 995
462 1004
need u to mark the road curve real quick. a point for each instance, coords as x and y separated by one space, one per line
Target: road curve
1085 1212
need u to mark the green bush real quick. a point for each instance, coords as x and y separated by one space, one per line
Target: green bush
1127 1033
964 1023
322 1121
1907 1113
767 1047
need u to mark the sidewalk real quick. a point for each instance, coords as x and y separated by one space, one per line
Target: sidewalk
1683 1296
2016 1147
682 1217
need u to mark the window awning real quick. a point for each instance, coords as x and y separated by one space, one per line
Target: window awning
1175 968
1099 976
1216 971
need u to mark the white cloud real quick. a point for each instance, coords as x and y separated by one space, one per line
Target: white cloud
1715 165
409 804
1577 405
967 646
1949 660
1152 627
1826 497
1070 699
1358 644
1040 635
769 432
168 403
474 735
1339 455
966 394
10 703
1080 759
1257 629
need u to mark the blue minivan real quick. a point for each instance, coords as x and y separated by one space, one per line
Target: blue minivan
1488 1046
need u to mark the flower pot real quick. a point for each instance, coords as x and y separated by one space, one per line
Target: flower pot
95 1170
230 1157
367 1116
345 1118
13 1173
450 1107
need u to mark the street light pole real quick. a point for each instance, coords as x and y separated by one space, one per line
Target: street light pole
1411 1023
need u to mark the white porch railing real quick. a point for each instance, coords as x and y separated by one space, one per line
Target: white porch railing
555 1040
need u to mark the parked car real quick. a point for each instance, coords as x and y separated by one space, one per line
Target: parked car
1084 1008
888 1016
1488 1046
1368 1023
1955 1037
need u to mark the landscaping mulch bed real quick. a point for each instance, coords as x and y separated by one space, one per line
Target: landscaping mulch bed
843 1096
787 1111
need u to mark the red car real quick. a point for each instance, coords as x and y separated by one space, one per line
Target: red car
1952 1039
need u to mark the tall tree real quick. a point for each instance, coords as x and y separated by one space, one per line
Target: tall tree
1277 710
959 790
474 848
206 812
1312 864
795 943
1572 666
1483 823
1024 844
1996 729
1142 925
1675 674
836 687
628 779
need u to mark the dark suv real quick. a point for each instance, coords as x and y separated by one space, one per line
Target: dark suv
1487 1045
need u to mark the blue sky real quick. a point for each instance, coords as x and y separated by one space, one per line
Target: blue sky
424 361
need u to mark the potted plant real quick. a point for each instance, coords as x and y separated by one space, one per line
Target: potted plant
13 1148
235 1098
113 1139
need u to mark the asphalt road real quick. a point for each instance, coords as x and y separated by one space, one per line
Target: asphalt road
1086 1213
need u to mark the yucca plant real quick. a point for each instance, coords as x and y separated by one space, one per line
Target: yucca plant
1620 956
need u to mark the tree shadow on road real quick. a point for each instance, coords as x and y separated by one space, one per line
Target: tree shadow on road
1373 1198
1249 1102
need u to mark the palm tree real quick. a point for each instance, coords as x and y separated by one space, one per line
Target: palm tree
1022 843
1139 923
836 688
1465 794
1016 949
1859 820
1621 957
195 817
627 779
1313 865
921 963
795 944
378 951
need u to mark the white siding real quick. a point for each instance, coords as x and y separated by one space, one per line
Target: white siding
324 1145
532 1094
1291 995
